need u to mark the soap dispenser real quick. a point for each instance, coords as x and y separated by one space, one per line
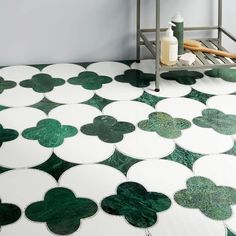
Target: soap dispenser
169 47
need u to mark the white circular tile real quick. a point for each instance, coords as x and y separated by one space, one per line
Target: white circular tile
129 111
108 68
84 149
23 187
204 141
160 175
169 88
220 168
214 86
225 103
75 114
144 145
93 181
21 118
22 153
181 107
64 71
119 91
18 73
68 93
146 66
179 221
25 227
19 97
106 225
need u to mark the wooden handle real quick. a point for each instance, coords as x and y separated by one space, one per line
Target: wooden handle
212 51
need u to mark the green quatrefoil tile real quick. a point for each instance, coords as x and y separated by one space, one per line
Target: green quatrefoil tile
108 129
226 74
6 84
183 76
7 135
120 161
198 96
98 102
61 210
55 166
183 157
213 201
149 99
164 124
50 133
136 78
46 105
90 80
217 120
9 213
42 83
136 204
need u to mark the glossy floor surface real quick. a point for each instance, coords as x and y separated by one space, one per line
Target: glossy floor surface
91 149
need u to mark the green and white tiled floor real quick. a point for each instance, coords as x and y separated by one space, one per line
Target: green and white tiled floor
92 150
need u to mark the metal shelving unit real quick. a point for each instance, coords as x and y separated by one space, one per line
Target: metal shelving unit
204 60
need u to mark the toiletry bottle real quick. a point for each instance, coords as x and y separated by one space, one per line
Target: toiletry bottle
169 48
179 31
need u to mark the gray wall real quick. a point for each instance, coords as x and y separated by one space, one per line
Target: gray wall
45 31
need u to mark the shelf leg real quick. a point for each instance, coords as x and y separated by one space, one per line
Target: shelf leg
157 65
220 22
138 30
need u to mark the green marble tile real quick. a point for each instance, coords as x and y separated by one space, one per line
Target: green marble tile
3 169
9 213
127 62
61 210
136 78
7 135
136 204
120 161
183 157
41 66
183 76
55 166
46 105
217 120
164 124
149 99
198 96
3 108
90 80
213 201
42 83
108 129
229 233
6 84
226 74
98 102
232 151
50 133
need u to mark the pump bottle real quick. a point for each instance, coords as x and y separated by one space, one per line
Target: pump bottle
169 47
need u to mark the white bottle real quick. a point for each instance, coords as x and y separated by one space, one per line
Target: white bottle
169 47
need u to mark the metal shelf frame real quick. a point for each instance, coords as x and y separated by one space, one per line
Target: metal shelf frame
204 60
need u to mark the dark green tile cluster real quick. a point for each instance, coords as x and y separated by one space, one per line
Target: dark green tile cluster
7 135
90 80
213 201
136 78
183 76
164 124
50 133
149 99
120 161
217 120
42 83
46 105
198 96
136 204
6 84
108 129
226 74
61 210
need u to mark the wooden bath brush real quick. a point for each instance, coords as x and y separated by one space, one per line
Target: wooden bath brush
197 46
